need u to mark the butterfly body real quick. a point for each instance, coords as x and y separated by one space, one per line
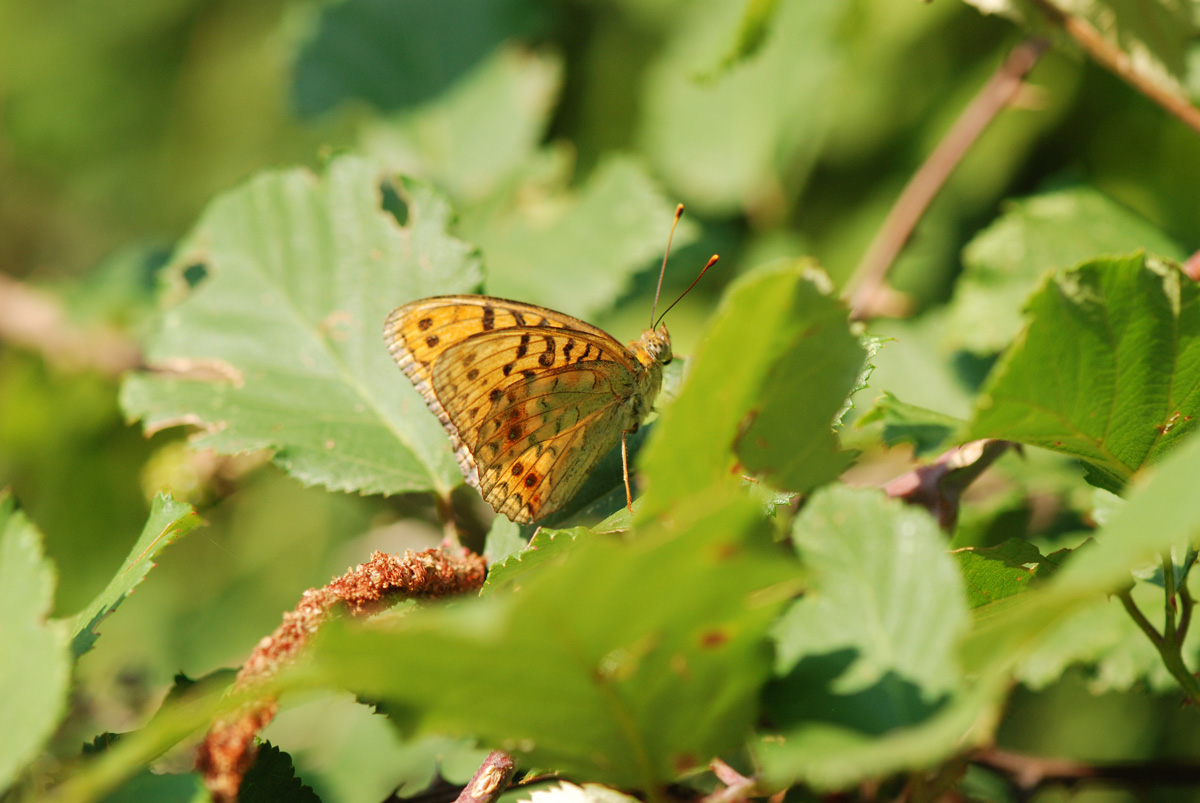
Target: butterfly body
531 398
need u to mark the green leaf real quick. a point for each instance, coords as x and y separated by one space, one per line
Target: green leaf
627 664
1104 638
773 372
272 778
927 430
577 253
1108 369
348 753
149 786
884 586
503 541
1156 36
546 546
993 573
169 520
750 139
1058 229
396 53
475 136
871 683
285 329
752 31
35 664
1161 513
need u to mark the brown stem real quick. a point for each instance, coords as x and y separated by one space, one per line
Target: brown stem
925 184
36 321
938 486
1031 773
1117 61
490 780
228 750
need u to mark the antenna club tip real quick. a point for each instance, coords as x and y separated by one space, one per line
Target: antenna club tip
678 211
712 260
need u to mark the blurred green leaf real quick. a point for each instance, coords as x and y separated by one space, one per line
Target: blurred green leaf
992 573
285 329
752 31
396 53
169 520
1155 35
577 252
1108 369
1162 512
627 664
350 754
868 657
1058 229
35 664
926 430
478 134
774 370
164 787
1103 638
754 140
884 587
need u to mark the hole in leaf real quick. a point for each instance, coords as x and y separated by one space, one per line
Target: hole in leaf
194 274
393 204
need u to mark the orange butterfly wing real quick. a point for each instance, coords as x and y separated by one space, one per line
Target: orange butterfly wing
531 398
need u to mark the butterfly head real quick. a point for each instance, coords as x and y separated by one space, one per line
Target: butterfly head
653 349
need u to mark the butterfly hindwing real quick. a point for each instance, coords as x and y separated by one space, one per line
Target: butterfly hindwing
531 398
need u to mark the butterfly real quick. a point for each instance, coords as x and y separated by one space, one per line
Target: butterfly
531 398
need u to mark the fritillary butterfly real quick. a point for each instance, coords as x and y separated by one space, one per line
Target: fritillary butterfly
531 398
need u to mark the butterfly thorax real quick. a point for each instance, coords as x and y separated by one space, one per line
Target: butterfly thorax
652 351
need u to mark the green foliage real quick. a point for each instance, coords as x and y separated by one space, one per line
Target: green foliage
925 429
869 679
1123 336
258 185
168 521
35 662
656 645
1058 229
778 329
301 273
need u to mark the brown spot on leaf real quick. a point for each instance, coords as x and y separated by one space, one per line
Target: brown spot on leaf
713 638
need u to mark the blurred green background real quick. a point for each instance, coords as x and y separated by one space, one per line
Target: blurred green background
118 122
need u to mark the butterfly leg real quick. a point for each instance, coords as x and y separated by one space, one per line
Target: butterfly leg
625 472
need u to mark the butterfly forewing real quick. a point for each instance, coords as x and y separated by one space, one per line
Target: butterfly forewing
531 398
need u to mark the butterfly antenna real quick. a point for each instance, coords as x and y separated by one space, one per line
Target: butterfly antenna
667 253
712 260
